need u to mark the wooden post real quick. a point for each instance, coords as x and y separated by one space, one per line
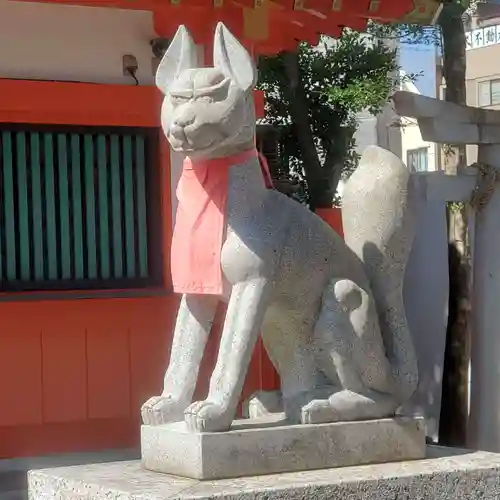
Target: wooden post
485 365
449 123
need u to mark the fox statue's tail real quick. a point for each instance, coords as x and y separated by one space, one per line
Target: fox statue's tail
379 225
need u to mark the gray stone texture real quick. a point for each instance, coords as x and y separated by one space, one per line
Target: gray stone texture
453 475
378 218
331 314
13 472
256 447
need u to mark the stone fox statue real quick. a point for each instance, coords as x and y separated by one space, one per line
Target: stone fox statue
330 311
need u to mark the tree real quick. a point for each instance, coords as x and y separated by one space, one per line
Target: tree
452 41
314 94
314 97
454 404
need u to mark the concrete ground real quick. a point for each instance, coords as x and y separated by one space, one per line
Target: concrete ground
13 484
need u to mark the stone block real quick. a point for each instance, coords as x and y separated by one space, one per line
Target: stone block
449 474
267 446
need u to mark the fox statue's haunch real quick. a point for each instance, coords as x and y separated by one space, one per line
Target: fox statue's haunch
330 311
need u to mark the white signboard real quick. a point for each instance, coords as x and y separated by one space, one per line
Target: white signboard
482 37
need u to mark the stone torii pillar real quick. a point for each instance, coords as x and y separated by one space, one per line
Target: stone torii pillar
449 123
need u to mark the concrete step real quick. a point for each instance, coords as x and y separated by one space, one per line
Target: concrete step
15 495
13 472
12 480
67 459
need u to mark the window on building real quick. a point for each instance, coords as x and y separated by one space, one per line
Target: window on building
489 93
418 159
78 208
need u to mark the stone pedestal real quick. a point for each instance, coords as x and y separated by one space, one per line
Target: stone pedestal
484 426
266 446
452 474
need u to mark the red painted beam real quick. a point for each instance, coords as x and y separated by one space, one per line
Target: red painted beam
148 5
285 25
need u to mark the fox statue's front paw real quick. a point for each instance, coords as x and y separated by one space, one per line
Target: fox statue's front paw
208 416
162 410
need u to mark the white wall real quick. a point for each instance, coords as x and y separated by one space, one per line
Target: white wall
366 134
384 131
426 291
389 135
71 43
412 139
55 42
379 130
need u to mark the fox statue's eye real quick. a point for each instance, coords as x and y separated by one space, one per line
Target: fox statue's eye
177 100
205 99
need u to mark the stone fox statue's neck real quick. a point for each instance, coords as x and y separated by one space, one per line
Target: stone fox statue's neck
246 182
228 151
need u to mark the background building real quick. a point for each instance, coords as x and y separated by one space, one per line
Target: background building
86 211
399 135
483 61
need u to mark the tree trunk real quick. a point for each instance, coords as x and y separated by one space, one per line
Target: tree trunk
454 54
454 405
316 178
333 165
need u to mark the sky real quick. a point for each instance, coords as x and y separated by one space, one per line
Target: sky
417 59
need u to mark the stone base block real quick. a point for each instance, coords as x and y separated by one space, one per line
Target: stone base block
266 446
458 475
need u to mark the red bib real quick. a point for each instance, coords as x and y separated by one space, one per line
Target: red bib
200 222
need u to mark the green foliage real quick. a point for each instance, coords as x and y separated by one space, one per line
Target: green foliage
406 33
365 83
339 79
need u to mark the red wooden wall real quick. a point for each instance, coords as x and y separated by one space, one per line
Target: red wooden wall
74 372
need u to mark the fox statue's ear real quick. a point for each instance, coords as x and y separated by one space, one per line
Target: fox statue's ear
180 55
233 59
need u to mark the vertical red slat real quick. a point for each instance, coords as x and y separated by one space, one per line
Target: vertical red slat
150 341
64 373
20 375
108 372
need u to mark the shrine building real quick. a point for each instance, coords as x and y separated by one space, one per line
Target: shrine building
87 184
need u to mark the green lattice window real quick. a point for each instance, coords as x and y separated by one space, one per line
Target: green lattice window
77 208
